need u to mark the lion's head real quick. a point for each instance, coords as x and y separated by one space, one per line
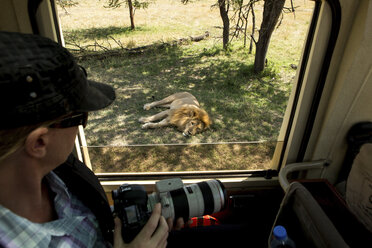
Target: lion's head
190 120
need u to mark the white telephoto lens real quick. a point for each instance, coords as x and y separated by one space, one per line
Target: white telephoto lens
218 195
195 200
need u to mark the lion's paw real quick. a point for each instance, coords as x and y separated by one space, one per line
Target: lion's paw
147 106
143 120
145 126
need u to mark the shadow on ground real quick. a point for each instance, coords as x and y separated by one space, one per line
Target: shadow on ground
244 107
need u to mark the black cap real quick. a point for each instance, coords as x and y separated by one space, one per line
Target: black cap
40 81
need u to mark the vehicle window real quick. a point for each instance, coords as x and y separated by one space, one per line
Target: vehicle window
176 46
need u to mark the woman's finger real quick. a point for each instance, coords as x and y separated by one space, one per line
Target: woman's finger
118 240
170 223
164 242
161 232
151 225
179 224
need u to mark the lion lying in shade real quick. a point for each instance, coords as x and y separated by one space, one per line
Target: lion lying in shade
184 112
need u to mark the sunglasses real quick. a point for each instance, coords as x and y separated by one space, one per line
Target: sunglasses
72 121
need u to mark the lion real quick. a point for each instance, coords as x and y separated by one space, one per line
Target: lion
184 112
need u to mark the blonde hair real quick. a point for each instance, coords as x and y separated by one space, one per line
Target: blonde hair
13 139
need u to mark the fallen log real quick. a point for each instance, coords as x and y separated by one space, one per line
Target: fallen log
83 52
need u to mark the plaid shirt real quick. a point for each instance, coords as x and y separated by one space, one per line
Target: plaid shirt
76 225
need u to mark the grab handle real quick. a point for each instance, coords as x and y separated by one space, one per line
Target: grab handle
289 168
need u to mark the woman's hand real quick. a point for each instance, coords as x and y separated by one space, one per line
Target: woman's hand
153 234
179 224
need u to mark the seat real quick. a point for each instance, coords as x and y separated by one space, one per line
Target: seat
306 222
316 214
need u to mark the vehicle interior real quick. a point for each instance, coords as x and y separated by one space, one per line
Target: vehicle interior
326 122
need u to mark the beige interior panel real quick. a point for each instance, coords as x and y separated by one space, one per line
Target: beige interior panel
14 16
350 99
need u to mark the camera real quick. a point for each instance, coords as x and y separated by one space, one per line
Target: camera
134 206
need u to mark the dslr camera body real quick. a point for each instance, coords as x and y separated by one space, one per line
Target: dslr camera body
133 206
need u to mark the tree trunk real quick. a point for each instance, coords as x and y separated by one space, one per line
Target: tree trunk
271 13
251 6
131 14
226 22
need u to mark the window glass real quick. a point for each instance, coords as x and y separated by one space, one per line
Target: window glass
176 47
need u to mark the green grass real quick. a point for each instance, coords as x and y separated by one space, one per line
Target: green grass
244 106
183 158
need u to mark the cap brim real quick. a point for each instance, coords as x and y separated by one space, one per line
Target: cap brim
98 96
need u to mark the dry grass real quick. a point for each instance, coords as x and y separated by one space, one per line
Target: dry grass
183 158
163 21
167 20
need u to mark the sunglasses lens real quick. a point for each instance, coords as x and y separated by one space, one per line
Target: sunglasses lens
72 121
85 120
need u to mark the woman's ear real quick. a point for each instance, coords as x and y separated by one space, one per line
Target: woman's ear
36 142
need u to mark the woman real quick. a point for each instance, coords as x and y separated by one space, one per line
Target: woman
47 197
